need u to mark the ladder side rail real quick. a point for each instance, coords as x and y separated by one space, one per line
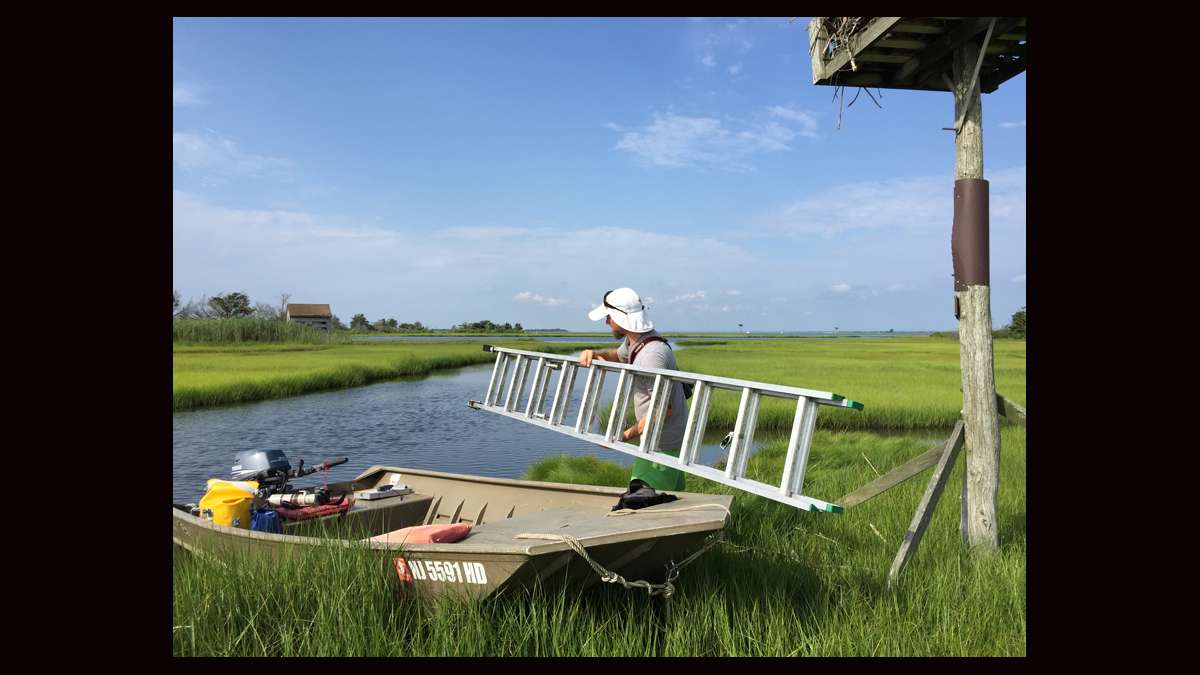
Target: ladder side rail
697 420
820 397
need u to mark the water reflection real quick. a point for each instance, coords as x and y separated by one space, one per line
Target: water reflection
421 423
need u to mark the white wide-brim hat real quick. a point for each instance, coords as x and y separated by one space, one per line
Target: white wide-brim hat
626 310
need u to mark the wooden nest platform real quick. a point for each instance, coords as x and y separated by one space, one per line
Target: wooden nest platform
901 52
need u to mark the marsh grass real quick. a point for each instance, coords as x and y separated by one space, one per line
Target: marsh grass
904 383
786 583
206 376
250 329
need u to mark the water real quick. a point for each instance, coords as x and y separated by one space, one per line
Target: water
420 423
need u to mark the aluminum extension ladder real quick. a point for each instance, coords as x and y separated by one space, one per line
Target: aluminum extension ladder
504 391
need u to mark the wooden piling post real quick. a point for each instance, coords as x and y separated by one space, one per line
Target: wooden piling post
975 328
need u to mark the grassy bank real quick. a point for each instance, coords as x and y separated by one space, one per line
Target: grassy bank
213 375
249 329
786 583
905 383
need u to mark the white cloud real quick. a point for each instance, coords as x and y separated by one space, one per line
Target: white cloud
735 69
806 119
915 205
483 233
674 140
527 296
1019 279
215 154
183 95
689 297
1012 125
840 288
709 40
614 126
733 292
899 287
360 267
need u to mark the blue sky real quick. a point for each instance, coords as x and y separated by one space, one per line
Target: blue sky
444 170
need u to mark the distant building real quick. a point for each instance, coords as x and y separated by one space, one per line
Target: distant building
317 316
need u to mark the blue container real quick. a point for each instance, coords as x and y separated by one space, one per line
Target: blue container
266 520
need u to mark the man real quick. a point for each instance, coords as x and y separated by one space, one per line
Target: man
625 314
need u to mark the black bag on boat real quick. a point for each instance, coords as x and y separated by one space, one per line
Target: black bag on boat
640 495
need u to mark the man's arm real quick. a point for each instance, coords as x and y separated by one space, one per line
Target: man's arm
586 357
640 426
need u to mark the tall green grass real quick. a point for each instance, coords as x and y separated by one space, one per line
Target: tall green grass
904 383
205 376
786 583
249 329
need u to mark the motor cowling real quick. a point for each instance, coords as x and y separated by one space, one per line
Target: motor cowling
260 465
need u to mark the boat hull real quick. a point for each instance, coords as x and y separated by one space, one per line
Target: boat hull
517 548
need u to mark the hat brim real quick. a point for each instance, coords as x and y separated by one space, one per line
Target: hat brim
635 322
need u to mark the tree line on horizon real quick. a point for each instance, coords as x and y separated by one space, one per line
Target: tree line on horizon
232 305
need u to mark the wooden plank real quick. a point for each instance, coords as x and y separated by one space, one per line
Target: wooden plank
860 41
918 28
912 539
877 79
893 478
879 57
990 81
901 43
1010 410
930 62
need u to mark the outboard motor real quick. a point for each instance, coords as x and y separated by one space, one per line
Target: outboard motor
260 465
272 470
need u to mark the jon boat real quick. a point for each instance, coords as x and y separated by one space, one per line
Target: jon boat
637 545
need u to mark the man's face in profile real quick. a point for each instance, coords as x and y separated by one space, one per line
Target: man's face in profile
617 331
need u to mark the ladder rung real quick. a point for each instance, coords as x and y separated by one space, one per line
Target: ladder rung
660 399
616 416
743 435
697 421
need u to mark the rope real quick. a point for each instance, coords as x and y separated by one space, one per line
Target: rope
665 589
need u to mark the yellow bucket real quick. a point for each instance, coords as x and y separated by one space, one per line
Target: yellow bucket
229 502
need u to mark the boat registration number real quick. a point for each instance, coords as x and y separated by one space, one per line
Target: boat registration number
456 571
